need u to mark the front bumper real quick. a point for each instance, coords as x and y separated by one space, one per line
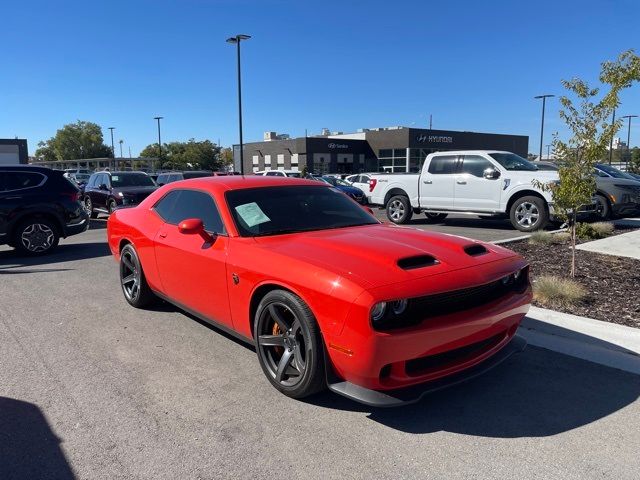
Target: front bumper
413 394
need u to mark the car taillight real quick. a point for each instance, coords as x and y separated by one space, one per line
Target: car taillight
372 184
74 196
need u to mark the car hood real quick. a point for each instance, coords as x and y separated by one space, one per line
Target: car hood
136 190
370 254
603 181
352 190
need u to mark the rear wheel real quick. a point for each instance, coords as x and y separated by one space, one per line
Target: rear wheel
529 213
35 236
399 209
88 206
132 280
436 217
289 344
111 206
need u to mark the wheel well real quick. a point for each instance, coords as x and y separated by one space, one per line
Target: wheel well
123 242
257 297
392 193
525 193
604 194
44 215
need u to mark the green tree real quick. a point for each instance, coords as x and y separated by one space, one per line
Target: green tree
226 157
588 118
190 155
634 161
73 141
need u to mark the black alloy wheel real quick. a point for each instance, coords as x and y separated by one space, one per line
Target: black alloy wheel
36 236
289 345
134 284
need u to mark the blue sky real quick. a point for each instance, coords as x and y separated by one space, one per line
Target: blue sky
474 65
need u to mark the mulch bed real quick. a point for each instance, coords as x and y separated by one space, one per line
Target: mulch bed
612 283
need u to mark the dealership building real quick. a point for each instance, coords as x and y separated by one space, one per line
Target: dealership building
13 151
392 149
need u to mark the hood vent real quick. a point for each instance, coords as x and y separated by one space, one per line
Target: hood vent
475 250
419 261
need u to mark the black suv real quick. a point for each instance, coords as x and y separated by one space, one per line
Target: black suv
37 207
169 177
105 191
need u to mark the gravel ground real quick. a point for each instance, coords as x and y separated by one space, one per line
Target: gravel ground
612 282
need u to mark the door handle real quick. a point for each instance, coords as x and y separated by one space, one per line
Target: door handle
162 235
461 182
428 182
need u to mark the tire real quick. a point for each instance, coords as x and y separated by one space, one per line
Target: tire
111 206
88 206
35 236
529 214
289 345
436 217
132 280
399 209
603 209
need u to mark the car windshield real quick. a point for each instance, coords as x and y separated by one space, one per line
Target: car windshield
294 174
613 171
290 209
511 161
131 180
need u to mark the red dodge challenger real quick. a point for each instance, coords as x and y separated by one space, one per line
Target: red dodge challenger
329 296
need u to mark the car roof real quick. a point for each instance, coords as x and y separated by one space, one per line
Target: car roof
32 168
240 182
121 172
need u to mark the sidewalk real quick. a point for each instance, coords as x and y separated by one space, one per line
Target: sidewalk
625 245
609 344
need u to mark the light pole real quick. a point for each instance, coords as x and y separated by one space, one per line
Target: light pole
544 101
159 144
121 142
236 40
629 117
113 150
613 120
548 154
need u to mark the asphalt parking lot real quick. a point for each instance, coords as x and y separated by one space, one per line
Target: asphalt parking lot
92 388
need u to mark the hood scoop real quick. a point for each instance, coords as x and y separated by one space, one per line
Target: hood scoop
475 250
418 261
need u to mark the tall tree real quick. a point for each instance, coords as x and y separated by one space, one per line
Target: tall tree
190 155
588 117
73 141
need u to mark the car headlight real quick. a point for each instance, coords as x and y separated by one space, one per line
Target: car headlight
399 306
121 195
378 311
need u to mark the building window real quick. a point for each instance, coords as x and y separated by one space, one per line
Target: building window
321 163
267 162
256 160
294 160
392 160
281 159
417 157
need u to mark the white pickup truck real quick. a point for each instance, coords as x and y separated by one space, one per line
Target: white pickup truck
487 183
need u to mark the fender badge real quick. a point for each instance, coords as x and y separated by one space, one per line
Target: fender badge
236 279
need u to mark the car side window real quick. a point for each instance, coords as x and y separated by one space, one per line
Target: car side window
475 165
273 174
21 180
178 205
442 165
162 179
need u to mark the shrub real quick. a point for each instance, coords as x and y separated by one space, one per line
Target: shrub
594 231
547 238
556 292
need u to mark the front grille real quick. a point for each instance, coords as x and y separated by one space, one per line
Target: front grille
430 306
423 365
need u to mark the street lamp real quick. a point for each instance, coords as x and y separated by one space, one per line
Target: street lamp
159 144
544 101
121 142
236 40
113 150
629 131
613 120
548 154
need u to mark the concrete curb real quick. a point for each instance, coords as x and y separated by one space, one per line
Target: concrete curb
523 237
609 344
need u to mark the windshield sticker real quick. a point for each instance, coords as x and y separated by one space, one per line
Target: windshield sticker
115 178
251 214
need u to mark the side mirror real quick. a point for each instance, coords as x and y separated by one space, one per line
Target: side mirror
491 174
194 226
103 186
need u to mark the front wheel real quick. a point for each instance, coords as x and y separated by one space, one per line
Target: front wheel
35 236
88 206
399 209
529 214
603 210
111 206
289 344
132 280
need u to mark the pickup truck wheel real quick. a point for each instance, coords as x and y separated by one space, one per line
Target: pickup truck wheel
436 217
528 214
399 209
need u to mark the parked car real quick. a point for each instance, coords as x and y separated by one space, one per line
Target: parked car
480 182
279 173
361 181
618 193
327 294
168 177
634 175
543 165
80 179
343 186
38 206
105 191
